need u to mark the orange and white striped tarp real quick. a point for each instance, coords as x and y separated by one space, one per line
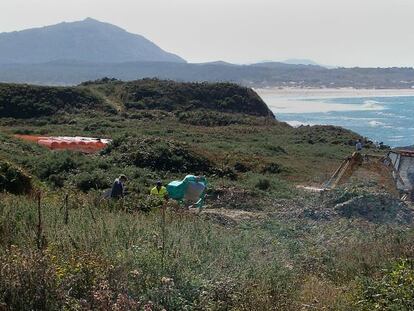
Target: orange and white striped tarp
77 143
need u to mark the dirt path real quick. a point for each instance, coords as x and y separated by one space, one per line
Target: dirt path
232 216
116 104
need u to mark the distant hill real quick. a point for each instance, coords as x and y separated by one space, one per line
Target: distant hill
272 74
83 41
297 61
28 101
69 53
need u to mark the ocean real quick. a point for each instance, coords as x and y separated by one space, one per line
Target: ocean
388 119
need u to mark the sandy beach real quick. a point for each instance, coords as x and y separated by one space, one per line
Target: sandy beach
333 93
296 100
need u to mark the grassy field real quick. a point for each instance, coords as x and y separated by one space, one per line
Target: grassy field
105 258
290 250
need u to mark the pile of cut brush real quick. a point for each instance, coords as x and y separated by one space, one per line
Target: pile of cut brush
376 207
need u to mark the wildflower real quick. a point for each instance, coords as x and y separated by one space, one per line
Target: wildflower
135 273
148 306
167 281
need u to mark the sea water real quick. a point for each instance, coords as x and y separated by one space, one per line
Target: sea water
387 119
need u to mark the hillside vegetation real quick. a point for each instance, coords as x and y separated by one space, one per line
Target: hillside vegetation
155 94
260 244
108 95
26 101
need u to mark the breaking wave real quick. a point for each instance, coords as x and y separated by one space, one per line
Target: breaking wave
375 123
372 105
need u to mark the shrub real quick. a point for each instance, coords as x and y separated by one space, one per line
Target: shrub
86 181
272 168
263 184
49 281
211 118
276 149
394 291
241 167
57 180
27 282
24 101
13 180
56 163
158 154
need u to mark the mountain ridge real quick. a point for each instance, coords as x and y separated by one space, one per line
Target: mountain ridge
86 40
69 53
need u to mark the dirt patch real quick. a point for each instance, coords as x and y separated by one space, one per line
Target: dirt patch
232 217
234 198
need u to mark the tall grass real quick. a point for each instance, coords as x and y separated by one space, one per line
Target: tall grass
107 257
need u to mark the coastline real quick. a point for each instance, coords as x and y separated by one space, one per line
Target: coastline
369 112
297 100
332 93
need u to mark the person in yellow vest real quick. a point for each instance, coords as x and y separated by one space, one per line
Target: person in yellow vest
159 191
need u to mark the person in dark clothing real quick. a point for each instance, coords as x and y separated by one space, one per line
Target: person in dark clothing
118 187
358 146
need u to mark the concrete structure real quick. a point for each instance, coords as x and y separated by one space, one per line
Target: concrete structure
402 162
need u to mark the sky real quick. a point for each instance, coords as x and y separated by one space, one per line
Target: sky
366 33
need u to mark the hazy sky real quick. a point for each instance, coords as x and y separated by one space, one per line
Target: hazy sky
333 32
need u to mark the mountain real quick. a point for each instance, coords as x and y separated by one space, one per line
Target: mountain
297 61
82 41
71 53
279 65
308 62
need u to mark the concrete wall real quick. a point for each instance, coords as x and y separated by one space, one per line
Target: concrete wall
404 165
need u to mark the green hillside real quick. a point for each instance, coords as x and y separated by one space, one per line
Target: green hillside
261 243
106 95
173 96
28 101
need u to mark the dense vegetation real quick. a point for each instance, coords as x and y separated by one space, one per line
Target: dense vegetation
27 101
260 244
156 94
13 179
105 259
106 95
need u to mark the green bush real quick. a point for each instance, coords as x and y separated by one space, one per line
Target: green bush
28 101
86 181
211 118
27 282
56 163
13 180
393 291
263 184
159 155
272 168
